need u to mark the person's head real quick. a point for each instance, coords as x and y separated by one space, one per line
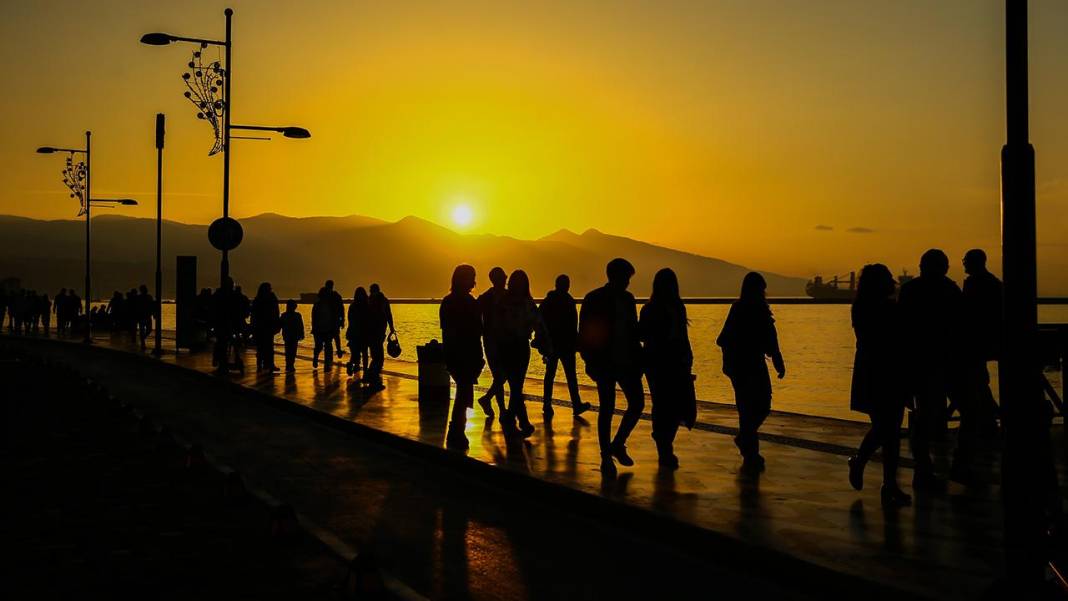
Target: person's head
329 285
227 283
665 287
934 263
291 305
875 281
519 284
143 289
563 283
375 289
753 287
360 295
619 272
974 261
498 277
463 279
264 289
62 291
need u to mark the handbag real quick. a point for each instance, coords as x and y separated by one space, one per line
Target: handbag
393 347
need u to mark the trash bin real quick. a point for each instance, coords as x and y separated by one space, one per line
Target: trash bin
433 375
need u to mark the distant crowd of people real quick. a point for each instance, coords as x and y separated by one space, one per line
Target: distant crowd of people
27 312
30 313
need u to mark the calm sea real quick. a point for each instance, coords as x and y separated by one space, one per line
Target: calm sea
817 342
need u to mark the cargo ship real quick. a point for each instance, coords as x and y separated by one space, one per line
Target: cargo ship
840 288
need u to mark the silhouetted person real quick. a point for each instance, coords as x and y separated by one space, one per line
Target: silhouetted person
226 315
244 311
44 308
292 325
877 389
265 324
611 348
748 338
981 342
323 323
75 309
145 308
380 315
516 319
668 364
930 311
116 310
4 300
560 315
460 318
358 331
487 302
61 309
130 315
338 305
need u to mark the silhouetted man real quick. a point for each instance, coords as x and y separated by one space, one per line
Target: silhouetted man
145 305
560 315
981 343
930 309
380 315
487 303
226 321
611 347
337 304
59 307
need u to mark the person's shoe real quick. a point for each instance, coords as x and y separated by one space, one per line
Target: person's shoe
315 363
669 461
856 473
608 467
754 464
893 498
547 410
328 365
273 369
619 451
348 368
580 407
340 353
291 370
927 481
487 406
526 430
456 440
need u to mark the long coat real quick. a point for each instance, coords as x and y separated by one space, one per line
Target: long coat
747 338
878 366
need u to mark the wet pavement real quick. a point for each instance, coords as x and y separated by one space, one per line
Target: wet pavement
947 545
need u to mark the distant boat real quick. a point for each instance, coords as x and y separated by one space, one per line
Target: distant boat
834 289
839 288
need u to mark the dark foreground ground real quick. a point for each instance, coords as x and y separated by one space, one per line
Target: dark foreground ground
96 507
93 508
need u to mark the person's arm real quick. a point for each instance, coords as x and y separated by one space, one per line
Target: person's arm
774 352
389 315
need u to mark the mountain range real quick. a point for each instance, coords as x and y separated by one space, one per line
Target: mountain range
411 257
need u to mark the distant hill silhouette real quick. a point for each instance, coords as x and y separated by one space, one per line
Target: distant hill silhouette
410 258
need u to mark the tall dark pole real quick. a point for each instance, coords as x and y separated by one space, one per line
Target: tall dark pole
88 246
1027 470
160 127
225 269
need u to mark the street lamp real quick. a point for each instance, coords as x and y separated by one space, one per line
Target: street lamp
77 177
203 82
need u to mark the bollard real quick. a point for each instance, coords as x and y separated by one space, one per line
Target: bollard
364 579
284 522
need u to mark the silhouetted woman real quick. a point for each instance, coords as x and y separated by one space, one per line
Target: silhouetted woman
516 319
747 340
265 324
877 388
461 336
668 363
358 332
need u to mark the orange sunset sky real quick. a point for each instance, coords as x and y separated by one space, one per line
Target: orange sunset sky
794 136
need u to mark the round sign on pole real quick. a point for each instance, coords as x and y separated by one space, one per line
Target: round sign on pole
225 233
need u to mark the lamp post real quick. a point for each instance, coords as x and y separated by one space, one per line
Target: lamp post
203 83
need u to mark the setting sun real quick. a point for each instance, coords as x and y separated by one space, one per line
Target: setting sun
462 215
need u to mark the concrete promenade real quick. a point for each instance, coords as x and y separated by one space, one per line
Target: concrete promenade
799 523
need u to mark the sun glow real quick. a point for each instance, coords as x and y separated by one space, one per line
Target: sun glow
462 215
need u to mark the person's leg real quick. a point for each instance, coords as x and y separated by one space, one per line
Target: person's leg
516 379
890 440
634 393
550 378
606 398
871 441
568 361
920 426
465 393
328 350
378 359
337 342
318 340
291 354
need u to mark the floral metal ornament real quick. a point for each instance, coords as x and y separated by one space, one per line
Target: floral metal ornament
205 83
74 179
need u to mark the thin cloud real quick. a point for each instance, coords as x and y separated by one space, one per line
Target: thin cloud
824 228
860 230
